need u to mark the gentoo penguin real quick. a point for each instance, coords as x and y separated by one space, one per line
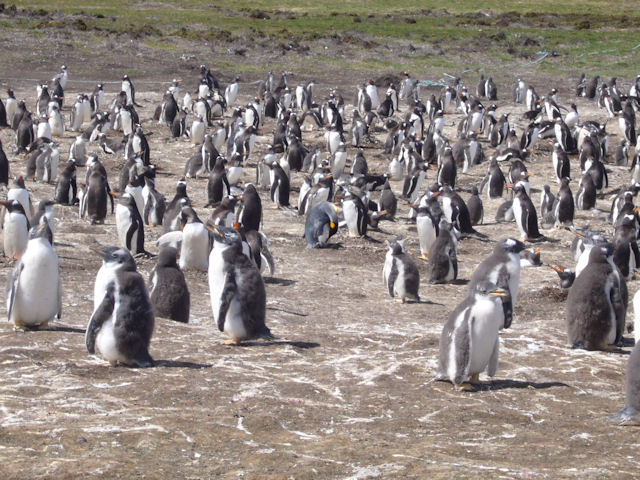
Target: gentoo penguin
129 224
630 414
427 221
154 205
400 273
280 186
231 93
355 214
4 167
525 214
595 309
15 229
45 209
217 183
565 207
236 289
469 341
122 321
495 179
195 247
586 195
249 215
19 192
168 289
621 157
129 89
561 164
171 219
56 122
94 203
547 201
224 213
490 89
443 256
321 224
502 267
474 205
530 258
448 170
34 290
388 201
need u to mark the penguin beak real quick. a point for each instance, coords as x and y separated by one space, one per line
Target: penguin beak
498 292
236 226
100 250
578 234
436 194
557 268
4 204
114 194
383 213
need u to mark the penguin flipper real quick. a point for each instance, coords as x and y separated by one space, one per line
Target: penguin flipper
169 238
12 288
100 315
393 276
228 292
266 254
59 314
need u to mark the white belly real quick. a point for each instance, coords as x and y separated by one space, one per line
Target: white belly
194 252
106 342
351 217
426 233
484 334
517 213
16 235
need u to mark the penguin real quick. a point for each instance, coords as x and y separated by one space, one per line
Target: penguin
621 157
469 342
4 167
495 179
171 219
400 273
561 164
355 214
474 204
595 306
321 224
427 221
56 122
224 213
45 210
95 201
122 321
630 414
11 107
586 195
502 267
443 256
236 289
491 91
530 258
388 201
129 224
155 206
547 201
3 115
15 229
249 215
280 186
626 255
168 290
565 208
525 214
129 89
24 132
19 192
448 170
34 289
217 183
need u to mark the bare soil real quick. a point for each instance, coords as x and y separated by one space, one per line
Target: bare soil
346 391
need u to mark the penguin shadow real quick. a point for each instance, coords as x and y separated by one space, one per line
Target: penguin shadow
276 342
494 385
287 311
179 364
63 328
371 239
283 282
64 245
459 281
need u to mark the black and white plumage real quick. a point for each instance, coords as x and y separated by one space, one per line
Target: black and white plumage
130 225
525 214
15 229
400 273
168 288
122 322
34 289
469 342
443 255
564 208
474 205
587 193
238 296
495 179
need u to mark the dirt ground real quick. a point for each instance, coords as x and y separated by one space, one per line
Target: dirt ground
346 391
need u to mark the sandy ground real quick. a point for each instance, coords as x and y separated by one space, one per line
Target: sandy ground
346 391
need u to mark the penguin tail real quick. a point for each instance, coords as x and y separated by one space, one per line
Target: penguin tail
267 335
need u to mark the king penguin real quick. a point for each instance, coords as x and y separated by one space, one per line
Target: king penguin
236 288
168 288
321 224
469 341
122 321
34 290
595 308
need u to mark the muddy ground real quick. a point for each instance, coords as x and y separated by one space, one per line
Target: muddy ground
346 391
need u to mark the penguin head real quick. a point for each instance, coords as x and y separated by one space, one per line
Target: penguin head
396 247
226 236
510 245
167 257
115 257
488 288
13 206
42 230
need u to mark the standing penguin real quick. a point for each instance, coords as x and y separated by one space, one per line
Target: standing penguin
4 167
217 183
469 342
194 252
630 414
321 224
280 186
129 224
45 210
443 256
249 215
474 204
236 288
94 203
355 214
15 229
122 321
495 179
154 205
586 196
400 273
34 290
565 207
525 214
168 289
595 308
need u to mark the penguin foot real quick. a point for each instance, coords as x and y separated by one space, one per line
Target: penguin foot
475 379
232 341
398 300
610 348
18 326
424 256
466 387
43 324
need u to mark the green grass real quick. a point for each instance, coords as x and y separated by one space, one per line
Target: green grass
506 33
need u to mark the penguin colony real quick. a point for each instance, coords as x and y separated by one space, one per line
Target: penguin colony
337 190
